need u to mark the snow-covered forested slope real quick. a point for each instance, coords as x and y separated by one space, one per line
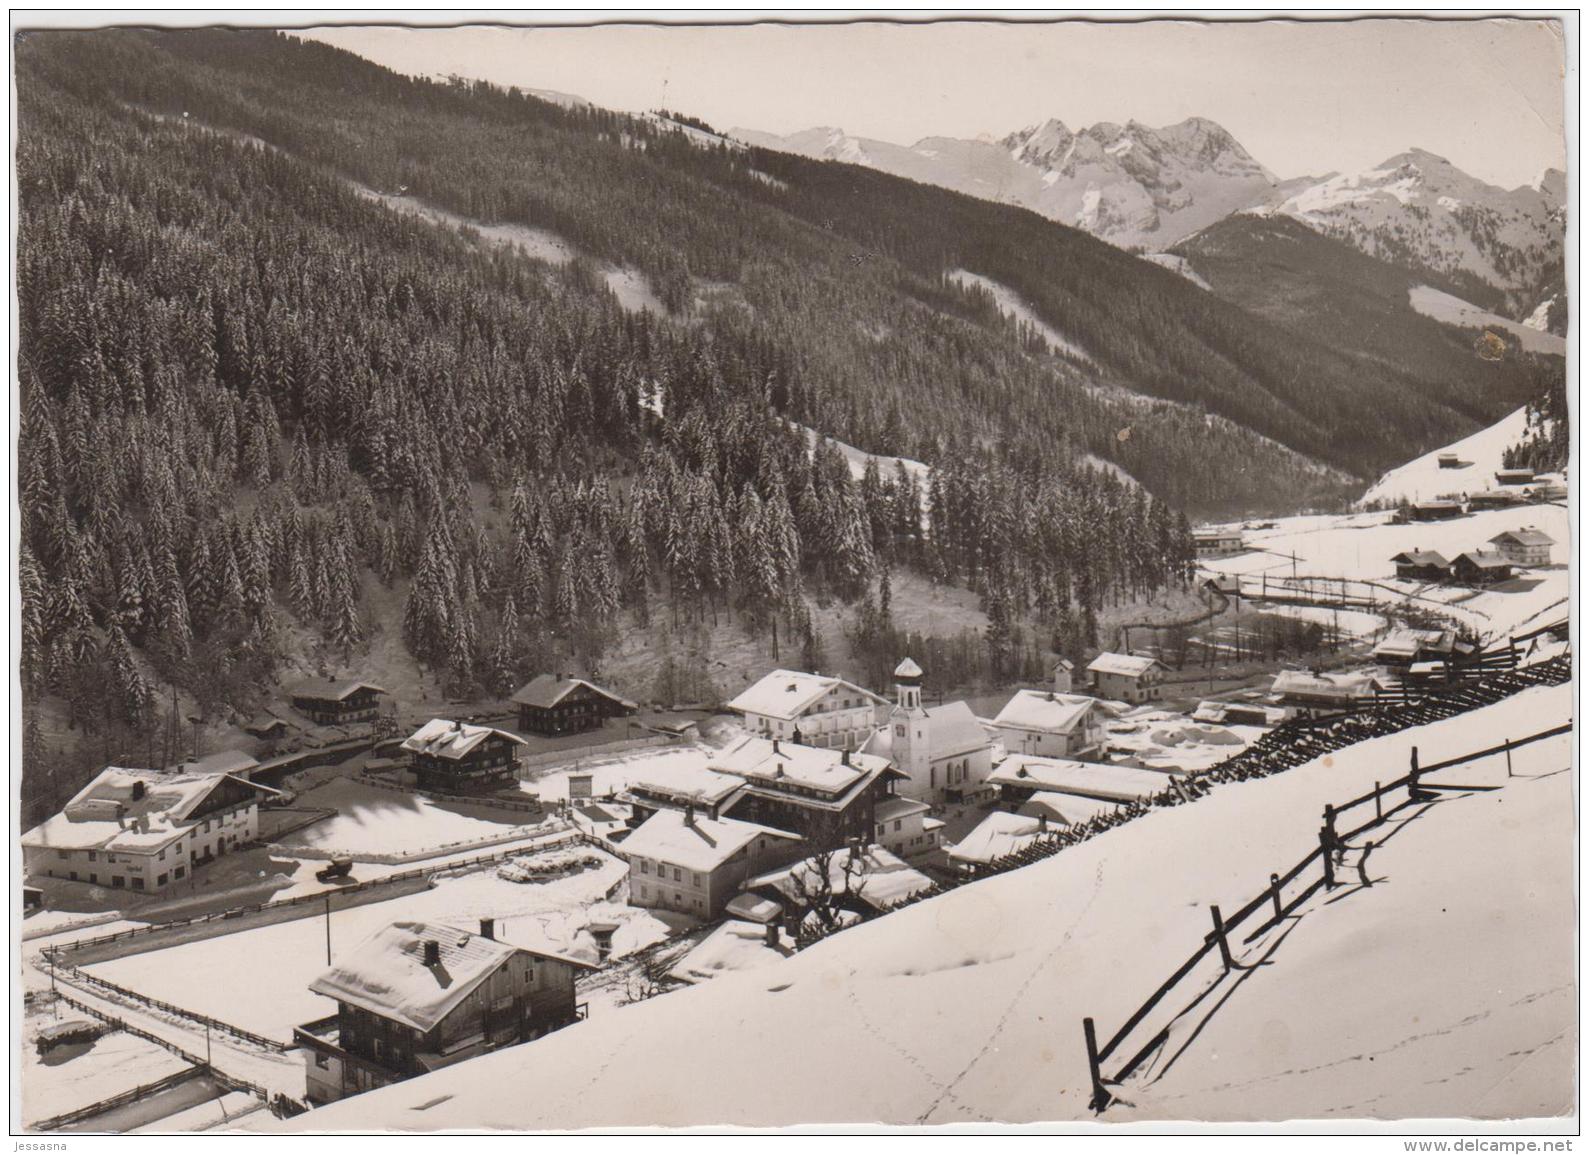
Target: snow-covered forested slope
967 1008
1479 456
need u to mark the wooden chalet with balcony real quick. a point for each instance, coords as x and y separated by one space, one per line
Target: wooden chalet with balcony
417 996
456 758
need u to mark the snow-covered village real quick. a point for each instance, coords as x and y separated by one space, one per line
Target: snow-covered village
487 668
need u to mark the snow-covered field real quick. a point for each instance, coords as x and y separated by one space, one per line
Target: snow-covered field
375 821
1358 547
1162 740
259 979
1422 479
76 1076
1455 311
966 1008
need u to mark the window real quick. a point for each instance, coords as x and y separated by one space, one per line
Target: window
93 856
677 897
678 875
645 866
899 731
162 880
117 880
94 878
63 854
899 824
73 876
321 1061
645 891
179 872
697 879
137 883
882 828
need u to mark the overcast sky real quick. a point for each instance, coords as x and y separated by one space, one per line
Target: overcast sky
1303 98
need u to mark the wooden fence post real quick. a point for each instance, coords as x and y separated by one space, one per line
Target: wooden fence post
1414 794
1508 757
1219 935
1379 809
1100 1097
1274 893
1327 850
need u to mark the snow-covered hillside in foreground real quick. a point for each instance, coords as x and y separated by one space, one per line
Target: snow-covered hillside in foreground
967 1008
1479 454
1486 879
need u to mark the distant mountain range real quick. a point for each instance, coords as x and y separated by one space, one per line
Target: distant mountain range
1148 189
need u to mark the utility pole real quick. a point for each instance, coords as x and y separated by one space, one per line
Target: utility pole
328 928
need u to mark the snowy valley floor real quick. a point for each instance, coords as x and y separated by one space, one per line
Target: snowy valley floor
1453 974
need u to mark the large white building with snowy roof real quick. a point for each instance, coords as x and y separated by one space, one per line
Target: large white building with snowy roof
143 830
683 861
1052 724
1127 677
813 709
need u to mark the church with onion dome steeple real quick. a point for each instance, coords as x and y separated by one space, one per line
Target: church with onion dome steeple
944 752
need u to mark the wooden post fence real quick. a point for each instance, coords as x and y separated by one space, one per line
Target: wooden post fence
1274 893
1100 1097
1219 937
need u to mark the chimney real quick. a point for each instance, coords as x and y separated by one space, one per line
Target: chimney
432 952
775 745
138 790
689 814
855 849
772 933
488 929
1042 824
846 758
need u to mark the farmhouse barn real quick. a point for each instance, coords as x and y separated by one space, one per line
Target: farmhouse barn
1424 565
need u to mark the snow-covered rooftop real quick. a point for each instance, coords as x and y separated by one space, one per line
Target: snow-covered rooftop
1526 536
897 806
788 694
441 738
546 691
876 876
387 974
737 945
1090 779
1065 809
763 760
694 842
1046 711
1125 665
130 810
997 836
325 689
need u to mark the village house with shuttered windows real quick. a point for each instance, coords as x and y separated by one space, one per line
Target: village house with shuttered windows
143 830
